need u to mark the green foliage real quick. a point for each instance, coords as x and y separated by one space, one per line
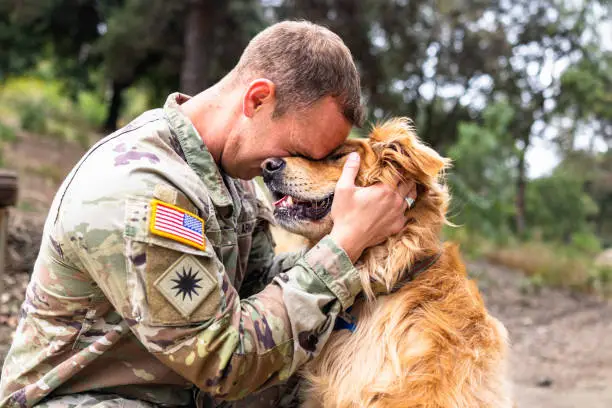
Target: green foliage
92 108
7 133
49 172
472 244
586 242
58 31
586 89
482 179
601 280
547 264
137 100
33 117
38 105
559 207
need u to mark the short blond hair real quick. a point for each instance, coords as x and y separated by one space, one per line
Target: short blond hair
306 62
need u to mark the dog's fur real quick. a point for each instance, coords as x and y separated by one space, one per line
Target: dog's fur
431 343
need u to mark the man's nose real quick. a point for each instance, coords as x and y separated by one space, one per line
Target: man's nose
272 166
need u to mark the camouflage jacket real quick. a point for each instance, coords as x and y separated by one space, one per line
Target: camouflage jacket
124 300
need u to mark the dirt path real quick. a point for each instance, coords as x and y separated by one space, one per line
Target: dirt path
561 342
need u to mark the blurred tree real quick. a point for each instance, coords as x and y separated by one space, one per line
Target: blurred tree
600 189
585 131
559 206
483 174
183 45
585 97
216 33
140 38
62 31
594 172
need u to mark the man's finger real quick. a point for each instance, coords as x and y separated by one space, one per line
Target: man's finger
413 192
405 187
350 170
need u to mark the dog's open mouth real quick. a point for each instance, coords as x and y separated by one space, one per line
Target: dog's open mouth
294 207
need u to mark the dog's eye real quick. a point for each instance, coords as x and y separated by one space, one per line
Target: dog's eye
336 157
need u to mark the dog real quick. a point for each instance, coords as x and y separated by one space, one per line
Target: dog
423 337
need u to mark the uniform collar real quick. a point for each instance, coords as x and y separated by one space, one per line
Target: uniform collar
196 153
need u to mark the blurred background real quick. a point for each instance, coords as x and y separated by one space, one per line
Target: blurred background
517 92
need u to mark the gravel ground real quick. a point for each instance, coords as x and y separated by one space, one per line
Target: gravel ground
561 341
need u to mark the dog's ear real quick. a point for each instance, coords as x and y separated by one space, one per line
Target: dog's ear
397 145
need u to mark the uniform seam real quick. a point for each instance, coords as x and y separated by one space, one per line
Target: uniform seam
88 154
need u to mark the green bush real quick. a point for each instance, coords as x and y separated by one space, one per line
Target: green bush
92 108
586 242
558 206
482 178
32 117
42 106
7 133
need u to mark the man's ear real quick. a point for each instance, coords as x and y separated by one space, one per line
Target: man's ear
260 92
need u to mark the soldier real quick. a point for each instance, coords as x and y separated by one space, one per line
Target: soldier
156 283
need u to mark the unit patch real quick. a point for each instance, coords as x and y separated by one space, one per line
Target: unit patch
185 284
172 222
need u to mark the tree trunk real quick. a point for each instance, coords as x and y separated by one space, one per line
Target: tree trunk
199 30
114 107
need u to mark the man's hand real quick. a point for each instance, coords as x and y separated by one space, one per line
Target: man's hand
366 216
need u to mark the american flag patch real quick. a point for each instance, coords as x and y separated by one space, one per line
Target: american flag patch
175 223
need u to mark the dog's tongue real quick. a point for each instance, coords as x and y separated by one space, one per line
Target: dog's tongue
286 201
281 201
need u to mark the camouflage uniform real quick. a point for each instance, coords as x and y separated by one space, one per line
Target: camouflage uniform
99 317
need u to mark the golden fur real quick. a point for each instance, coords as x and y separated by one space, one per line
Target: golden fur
430 344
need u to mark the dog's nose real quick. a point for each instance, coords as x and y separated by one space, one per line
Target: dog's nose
273 165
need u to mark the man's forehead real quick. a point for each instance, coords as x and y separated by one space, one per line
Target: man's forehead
321 145
320 129
326 138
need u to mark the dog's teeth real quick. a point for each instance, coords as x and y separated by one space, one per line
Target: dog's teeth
289 201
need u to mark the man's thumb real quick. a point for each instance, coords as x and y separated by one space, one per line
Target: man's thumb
350 170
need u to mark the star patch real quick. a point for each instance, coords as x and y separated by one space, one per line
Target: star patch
185 284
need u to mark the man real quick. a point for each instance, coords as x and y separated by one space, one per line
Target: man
156 282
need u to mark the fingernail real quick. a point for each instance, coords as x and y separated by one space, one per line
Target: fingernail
354 156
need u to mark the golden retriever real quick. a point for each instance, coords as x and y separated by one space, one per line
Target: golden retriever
423 337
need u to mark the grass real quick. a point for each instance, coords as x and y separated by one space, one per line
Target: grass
570 266
26 206
48 172
546 264
41 106
7 133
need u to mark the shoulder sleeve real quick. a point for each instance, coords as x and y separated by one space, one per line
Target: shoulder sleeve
178 301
